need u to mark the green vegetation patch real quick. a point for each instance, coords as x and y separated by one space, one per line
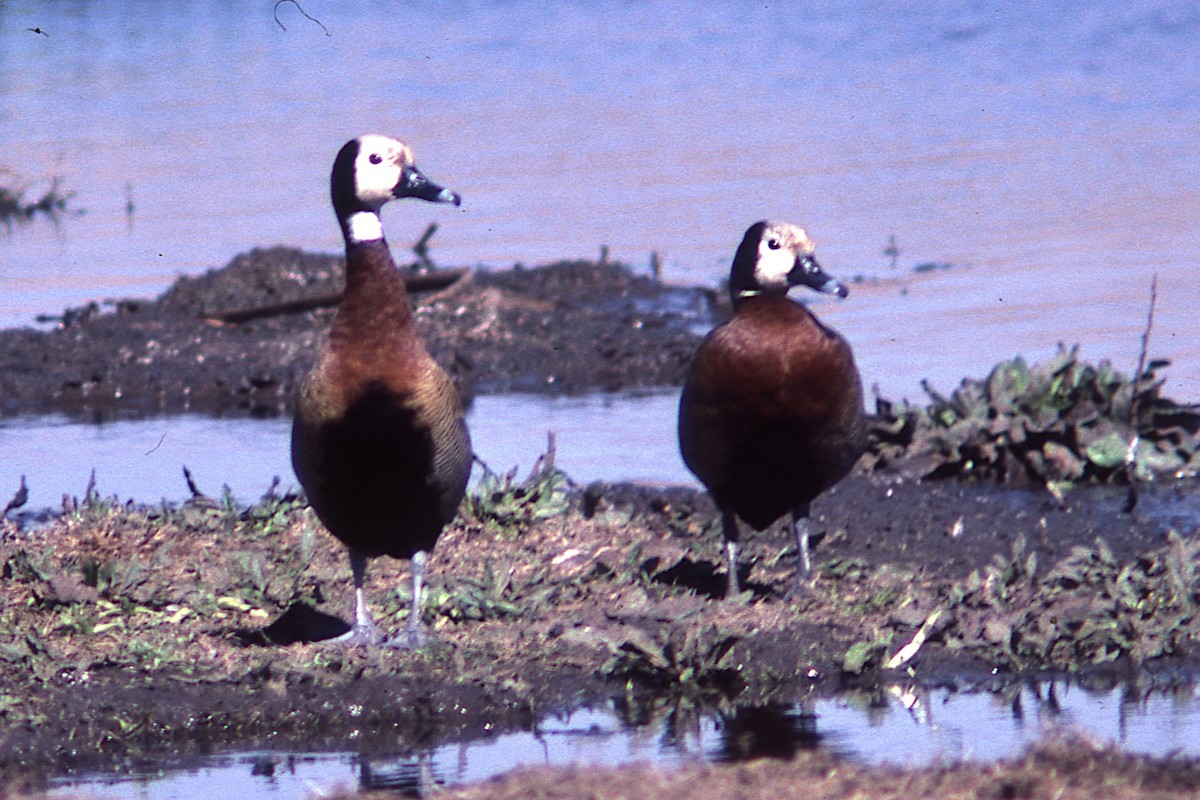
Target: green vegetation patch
507 507
1061 421
1087 609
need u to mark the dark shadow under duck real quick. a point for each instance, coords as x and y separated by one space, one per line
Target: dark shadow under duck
771 413
379 442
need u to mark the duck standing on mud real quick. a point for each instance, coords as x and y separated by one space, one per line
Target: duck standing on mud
771 413
379 442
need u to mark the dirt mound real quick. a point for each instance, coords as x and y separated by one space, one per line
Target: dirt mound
235 341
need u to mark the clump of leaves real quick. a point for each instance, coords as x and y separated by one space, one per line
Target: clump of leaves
1064 420
508 507
695 659
476 599
1088 609
15 208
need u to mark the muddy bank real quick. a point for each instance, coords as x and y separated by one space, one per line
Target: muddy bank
235 342
131 632
973 549
568 327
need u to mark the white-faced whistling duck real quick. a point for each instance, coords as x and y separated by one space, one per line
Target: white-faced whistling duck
379 442
771 413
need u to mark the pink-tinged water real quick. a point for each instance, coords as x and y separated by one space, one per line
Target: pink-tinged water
1048 150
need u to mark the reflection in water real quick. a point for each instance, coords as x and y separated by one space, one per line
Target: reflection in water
771 731
412 777
898 725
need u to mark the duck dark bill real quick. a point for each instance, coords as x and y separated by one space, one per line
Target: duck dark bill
808 272
413 183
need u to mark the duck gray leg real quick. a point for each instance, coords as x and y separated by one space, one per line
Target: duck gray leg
363 632
800 530
730 527
414 636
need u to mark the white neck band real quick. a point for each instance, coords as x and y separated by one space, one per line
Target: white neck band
364 226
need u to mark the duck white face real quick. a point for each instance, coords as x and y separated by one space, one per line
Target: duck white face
775 256
780 249
379 169
371 170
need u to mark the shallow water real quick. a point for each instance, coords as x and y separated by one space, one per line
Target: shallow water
896 727
1046 149
612 438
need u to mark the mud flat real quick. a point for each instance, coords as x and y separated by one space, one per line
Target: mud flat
236 340
986 539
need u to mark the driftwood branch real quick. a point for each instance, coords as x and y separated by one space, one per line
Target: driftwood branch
426 282
421 249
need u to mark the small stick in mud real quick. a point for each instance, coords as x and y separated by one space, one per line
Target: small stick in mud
892 250
129 206
1131 499
906 653
191 484
421 250
20 498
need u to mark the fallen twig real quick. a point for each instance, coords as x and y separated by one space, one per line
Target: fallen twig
425 282
906 653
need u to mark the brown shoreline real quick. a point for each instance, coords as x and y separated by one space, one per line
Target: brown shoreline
567 328
128 633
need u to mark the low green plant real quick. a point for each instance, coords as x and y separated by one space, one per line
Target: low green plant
113 579
1061 421
92 507
866 653
472 599
688 660
507 507
1089 608
273 513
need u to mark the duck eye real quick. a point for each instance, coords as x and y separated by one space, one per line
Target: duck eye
375 158
773 244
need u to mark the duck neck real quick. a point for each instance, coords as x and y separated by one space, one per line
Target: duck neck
742 283
375 305
362 226
742 295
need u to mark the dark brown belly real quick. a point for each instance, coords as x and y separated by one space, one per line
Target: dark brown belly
379 478
772 470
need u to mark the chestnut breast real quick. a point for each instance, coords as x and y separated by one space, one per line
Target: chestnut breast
771 411
379 440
